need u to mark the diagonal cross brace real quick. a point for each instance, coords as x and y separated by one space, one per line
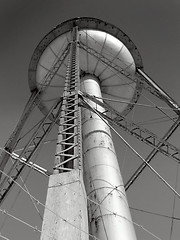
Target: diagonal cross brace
18 166
140 133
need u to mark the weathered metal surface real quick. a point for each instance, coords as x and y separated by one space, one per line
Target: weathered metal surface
109 216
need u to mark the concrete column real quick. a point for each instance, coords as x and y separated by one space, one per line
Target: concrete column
110 220
65 217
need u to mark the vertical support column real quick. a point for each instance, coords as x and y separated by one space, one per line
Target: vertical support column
68 152
110 218
65 216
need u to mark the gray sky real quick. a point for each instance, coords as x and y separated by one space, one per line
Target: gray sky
154 26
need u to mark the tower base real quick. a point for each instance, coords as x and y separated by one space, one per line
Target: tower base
65 216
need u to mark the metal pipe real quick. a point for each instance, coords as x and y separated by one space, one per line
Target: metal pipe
31 164
110 218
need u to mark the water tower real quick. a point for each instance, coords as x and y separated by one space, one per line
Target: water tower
74 72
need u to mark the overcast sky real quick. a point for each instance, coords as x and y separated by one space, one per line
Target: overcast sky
154 27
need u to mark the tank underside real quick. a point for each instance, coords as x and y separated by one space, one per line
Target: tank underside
104 51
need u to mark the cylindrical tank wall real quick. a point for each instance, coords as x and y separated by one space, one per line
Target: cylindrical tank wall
109 216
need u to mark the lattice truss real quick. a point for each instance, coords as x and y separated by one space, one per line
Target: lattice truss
22 147
68 154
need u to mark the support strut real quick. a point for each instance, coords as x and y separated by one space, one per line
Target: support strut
68 152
